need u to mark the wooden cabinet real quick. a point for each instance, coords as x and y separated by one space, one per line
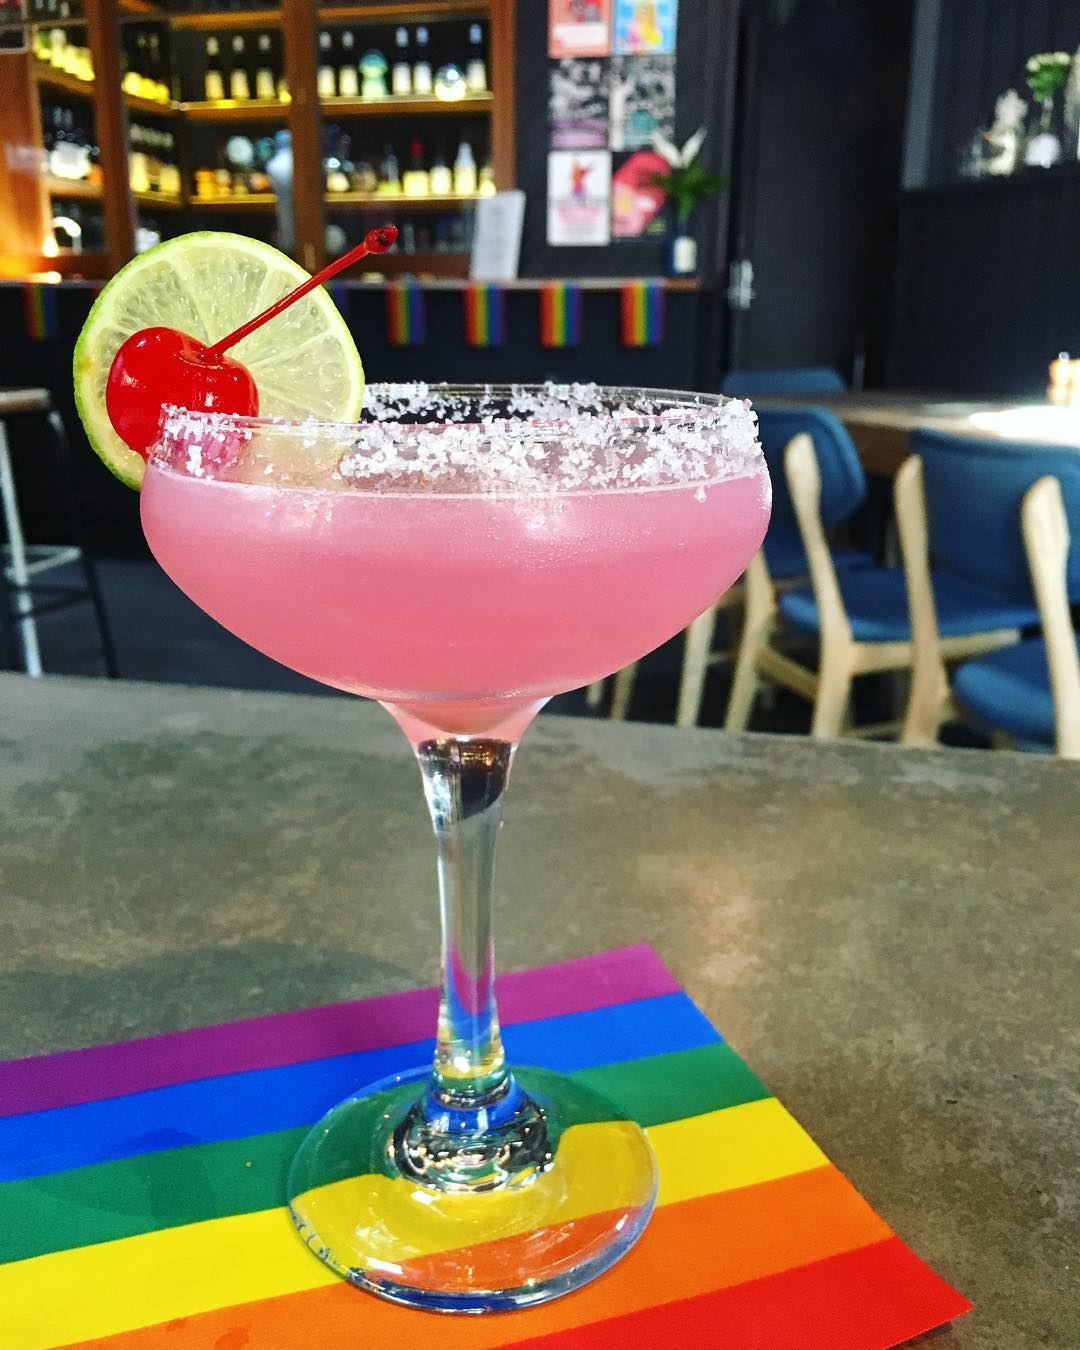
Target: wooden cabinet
89 219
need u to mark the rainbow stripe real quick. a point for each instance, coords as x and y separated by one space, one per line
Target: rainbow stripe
560 315
406 314
485 316
40 311
642 313
141 1199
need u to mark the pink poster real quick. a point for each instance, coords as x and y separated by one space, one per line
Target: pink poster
636 201
579 27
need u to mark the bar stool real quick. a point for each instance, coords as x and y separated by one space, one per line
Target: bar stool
23 563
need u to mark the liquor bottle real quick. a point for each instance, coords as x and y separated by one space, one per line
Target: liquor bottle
476 80
144 87
440 179
365 179
390 180
265 86
421 71
325 81
401 75
348 71
239 86
487 181
416 183
213 80
465 170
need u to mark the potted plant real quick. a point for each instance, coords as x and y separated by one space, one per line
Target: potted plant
1046 73
684 185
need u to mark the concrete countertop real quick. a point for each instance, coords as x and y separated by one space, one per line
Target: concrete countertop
888 937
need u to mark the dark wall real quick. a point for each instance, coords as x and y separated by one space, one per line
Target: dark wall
981 49
819 167
988 286
705 72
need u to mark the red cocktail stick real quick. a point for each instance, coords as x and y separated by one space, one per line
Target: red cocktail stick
379 240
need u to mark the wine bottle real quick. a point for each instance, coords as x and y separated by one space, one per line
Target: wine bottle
348 71
401 75
239 86
265 86
476 80
390 181
213 80
325 81
416 183
421 73
465 170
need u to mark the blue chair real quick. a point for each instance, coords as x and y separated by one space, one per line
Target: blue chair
968 512
794 380
860 617
783 561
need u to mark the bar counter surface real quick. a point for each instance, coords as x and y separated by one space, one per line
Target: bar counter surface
887 936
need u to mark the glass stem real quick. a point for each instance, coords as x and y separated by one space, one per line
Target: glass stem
474 1128
464 781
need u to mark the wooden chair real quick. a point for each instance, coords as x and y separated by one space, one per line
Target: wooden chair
860 619
958 510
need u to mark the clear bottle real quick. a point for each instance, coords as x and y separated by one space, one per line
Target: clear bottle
416 183
265 84
476 80
326 81
348 71
422 83
487 181
389 173
156 73
465 171
239 85
213 80
440 179
401 74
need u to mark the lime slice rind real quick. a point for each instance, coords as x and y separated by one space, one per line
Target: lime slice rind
304 361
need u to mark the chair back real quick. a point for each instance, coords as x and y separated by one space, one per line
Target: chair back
793 380
843 483
974 490
1046 540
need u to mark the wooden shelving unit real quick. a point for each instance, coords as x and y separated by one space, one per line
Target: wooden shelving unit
159 201
399 201
253 110
72 187
253 201
401 106
25 192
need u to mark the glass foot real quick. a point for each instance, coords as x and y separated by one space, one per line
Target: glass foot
573 1189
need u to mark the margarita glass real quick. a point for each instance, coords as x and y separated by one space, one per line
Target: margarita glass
462 555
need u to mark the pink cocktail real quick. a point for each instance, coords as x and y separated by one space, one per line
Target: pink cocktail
462 556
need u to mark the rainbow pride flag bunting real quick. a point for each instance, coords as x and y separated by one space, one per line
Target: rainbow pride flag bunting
406 314
141 1187
485 316
642 313
560 315
40 311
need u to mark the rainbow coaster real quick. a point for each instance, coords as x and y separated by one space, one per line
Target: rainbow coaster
141 1187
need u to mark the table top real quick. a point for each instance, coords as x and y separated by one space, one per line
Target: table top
885 935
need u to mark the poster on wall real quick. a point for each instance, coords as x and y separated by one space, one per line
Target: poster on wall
641 100
578 104
579 197
637 204
645 26
579 27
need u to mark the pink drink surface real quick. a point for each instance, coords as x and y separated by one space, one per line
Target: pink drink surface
461 609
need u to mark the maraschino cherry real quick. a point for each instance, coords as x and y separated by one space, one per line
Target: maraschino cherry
156 366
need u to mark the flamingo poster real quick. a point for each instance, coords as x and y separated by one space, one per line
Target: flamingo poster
645 27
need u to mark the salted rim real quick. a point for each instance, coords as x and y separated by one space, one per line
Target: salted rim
480 440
